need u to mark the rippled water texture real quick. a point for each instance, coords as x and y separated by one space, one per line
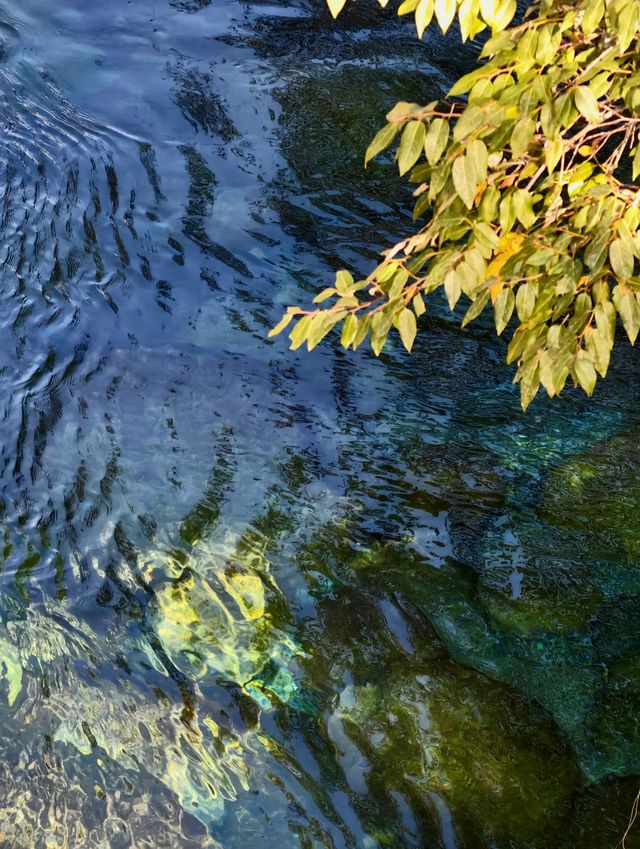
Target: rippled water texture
252 598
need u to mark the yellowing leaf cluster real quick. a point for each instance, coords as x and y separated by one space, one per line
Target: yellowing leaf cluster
527 194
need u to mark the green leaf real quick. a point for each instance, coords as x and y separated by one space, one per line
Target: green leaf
299 333
323 296
408 328
593 14
349 330
399 281
486 237
628 24
498 13
587 103
474 116
621 258
422 204
523 206
505 14
463 174
280 326
476 308
321 324
526 300
411 145
529 377
596 250
628 310
344 282
377 342
381 141
599 349
379 333
605 315
436 140
554 369
522 136
470 23
585 372
553 150
636 164
453 288
402 110
385 272
364 324
477 156
498 42
407 7
507 215
418 305
503 309
464 84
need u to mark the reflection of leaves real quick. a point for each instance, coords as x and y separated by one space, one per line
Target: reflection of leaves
201 105
204 515
189 6
202 183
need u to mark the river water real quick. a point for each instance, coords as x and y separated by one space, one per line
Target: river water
250 597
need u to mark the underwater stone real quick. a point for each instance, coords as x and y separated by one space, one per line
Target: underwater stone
466 743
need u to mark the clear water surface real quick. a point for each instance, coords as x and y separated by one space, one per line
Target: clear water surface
255 598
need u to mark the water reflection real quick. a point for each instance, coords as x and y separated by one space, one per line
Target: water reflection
246 595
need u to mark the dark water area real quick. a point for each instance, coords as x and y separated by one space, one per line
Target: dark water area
257 598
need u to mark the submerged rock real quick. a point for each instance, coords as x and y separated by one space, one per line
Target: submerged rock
464 750
593 499
215 617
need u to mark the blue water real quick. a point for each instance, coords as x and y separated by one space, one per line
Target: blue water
252 597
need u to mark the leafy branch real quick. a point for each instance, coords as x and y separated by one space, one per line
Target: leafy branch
525 195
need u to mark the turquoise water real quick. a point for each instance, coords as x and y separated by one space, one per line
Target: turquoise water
250 597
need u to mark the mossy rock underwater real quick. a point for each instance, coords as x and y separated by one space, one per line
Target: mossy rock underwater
593 498
461 746
533 595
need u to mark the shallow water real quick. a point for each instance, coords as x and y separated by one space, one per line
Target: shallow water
256 597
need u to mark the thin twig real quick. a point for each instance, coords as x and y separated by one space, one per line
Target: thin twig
635 809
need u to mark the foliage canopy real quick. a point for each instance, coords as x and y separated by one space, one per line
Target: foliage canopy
526 193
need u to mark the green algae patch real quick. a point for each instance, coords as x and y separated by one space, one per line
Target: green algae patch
595 495
538 597
461 746
602 815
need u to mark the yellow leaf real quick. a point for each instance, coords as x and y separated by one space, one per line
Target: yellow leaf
407 326
445 12
495 290
509 246
280 326
336 6
424 14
